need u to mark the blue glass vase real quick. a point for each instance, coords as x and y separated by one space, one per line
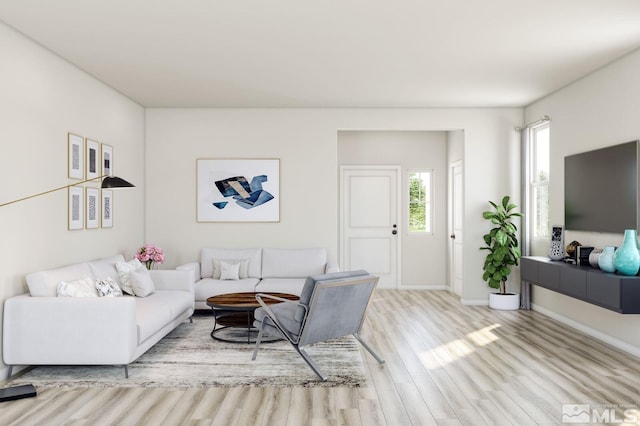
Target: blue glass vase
627 258
605 261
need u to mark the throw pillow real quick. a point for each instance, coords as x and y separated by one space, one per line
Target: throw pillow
125 269
83 287
108 288
243 271
142 283
229 270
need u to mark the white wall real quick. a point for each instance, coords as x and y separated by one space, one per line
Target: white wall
305 140
42 97
424 260
596 111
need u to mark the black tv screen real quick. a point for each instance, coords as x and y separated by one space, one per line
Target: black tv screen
601 189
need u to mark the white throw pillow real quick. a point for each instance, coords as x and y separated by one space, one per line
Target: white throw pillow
125 269
142 283
84 287
108 288
229 270
243 271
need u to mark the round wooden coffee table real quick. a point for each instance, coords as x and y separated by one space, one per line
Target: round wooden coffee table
235 310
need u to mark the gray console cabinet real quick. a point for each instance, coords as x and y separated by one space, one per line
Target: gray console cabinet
618 293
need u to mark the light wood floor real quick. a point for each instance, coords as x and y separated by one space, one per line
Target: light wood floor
447 364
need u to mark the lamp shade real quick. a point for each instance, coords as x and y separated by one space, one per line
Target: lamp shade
115 182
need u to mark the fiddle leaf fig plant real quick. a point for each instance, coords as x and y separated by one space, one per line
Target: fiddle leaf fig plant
501 243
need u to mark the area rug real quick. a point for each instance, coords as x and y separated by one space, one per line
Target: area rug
189 357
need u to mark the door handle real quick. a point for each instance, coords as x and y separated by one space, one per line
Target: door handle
394 232
452 236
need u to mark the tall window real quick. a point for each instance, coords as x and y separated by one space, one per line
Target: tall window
420 208
539 181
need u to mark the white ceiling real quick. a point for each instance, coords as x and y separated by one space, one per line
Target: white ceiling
332 53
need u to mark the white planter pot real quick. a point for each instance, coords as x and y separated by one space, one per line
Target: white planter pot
504 302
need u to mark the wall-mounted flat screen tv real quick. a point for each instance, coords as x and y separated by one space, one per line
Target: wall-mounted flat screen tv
601 189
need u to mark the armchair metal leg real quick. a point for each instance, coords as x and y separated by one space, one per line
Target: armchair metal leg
126 371
10 371
258 340
310 362
369 348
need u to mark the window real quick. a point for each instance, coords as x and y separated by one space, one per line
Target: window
420 209
539 181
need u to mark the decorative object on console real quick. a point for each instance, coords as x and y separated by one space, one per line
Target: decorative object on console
571 249
556 249
582 254
594 256
627 258
605 260
150 254
502 244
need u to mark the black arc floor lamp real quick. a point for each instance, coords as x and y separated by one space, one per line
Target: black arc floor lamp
27 391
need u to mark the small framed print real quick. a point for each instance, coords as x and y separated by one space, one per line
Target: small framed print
93 159
76 208
76 156
93 208
107 208
107 160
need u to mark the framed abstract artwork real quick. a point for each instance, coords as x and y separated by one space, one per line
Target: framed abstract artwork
238 190
76 156
92 208
76 207
92 151
107 208
107 160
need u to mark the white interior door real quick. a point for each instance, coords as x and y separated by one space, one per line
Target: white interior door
456 228
369 234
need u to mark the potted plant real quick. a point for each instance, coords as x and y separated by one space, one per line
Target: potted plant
502 244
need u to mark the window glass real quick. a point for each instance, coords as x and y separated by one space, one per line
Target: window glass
539 182
420 188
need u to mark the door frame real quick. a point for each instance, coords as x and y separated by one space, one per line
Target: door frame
451 267
399 218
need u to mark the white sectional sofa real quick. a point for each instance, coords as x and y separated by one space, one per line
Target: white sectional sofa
40 328
258 270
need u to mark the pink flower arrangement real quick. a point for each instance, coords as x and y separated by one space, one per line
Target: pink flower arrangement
150 254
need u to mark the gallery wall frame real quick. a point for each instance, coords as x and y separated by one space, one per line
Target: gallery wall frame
107 160
75 155
76 208
92 150
92 213
107 208
238 190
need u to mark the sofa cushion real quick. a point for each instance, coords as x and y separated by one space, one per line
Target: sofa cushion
108 288
243 267
141 283
125 269
293 263
106 268
208 287
285 312
157 310
45 283
84 287
254 255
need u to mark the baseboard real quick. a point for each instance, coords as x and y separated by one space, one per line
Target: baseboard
617 343
475 302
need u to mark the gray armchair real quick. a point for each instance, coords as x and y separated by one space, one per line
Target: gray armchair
330 306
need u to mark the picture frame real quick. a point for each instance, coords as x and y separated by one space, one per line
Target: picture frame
92 211
76 208
75 155
107 160
238 190
106 208
92 153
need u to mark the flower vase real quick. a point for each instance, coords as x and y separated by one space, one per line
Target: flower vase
627 258
605 260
